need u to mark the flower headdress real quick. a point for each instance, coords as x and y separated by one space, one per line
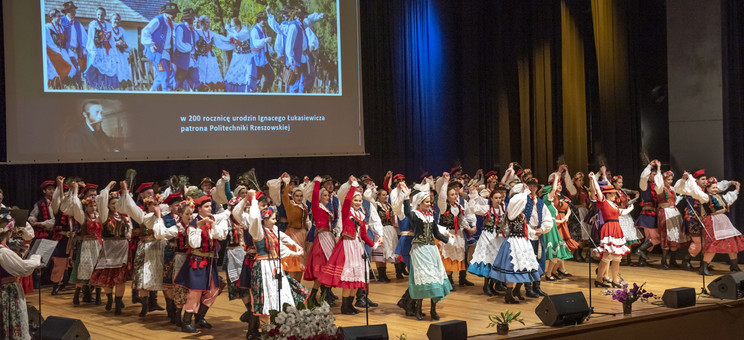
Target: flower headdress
616 178
669 174
266 213
10 222
712 180
88 200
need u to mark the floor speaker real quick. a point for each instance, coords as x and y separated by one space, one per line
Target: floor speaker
371 332
728 286
679 297
448 330
563 309
59 328
34 321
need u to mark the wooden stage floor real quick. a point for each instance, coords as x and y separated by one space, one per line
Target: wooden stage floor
467 303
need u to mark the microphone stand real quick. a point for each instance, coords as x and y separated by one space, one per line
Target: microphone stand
703 290
368 266
591 307
278 275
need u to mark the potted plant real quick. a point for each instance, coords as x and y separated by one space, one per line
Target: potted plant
628 296
502 321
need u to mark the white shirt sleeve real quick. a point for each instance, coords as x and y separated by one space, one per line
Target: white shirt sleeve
375 223
221 225
126 205
731 196
643 182
275 190
15 265
195 238
148 31
516 205
478 205
258 42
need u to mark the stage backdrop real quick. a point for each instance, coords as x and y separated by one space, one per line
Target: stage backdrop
92 83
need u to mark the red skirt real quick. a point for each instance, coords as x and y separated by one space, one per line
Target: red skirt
726 246
613 240
315 262
109 277
330 274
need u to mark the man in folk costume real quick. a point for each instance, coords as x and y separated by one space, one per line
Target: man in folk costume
75 39
187 73
649 207
692 224
170 220
540 221
145 191
295 48
41 216
260 66
157 39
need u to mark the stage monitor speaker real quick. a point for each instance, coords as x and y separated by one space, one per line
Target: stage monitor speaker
563 309
728 286
59 328
448 330
679 297
34 321
371 332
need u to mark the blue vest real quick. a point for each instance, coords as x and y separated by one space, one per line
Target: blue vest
169 220
297 47
67 26
528 210
158 39
259 58
333 207
181 59
367 211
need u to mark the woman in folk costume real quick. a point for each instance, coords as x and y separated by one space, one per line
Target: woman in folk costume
210 74
270 247
59 65
120 53
199 273
612 246
579 196
647 220
324 243
632 234
86 213
147 274
427 277
102 70
13 313
111 270
721 237
298 223
516 263
346 268
493 210
385 254
563 217
454 218
176 232
238 74
669 220
556 250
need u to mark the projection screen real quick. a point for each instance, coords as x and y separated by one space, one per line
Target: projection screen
120 80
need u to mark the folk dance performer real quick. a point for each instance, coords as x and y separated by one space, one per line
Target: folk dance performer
298 223
455 217
184 58
238 74
59 65
493 210
199 273
14 322
385 254
322 247
260 68
648 220
632 235
554 247
669 220
210 74
102 69
157 39
85 212
76 37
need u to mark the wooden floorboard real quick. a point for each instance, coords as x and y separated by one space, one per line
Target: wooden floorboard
466 303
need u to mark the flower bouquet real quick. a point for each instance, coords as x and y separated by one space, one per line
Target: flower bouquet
628 296
302 322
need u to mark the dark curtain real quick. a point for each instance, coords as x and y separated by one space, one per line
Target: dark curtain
733 96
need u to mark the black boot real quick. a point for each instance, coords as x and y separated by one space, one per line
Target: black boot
135 296
529 291
509 297
87 294
154 301
328 296
346 305
199 318
404 269
145 309
252 333
643 253
186 325
452 282
487 287
313 297
419 315
492 284
517 291
673 259
76 297
498 286
57 287
399 270
98 296
119 305
177 317
382 275
403 302
628 260
463 281
664 256
434 315
170 306
686 265
362 300
577 255
536 288
734 267
246 316
588 257
704 269
109 301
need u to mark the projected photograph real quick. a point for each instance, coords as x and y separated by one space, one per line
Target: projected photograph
191 46
94 127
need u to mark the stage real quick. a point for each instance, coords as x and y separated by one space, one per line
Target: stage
467 303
